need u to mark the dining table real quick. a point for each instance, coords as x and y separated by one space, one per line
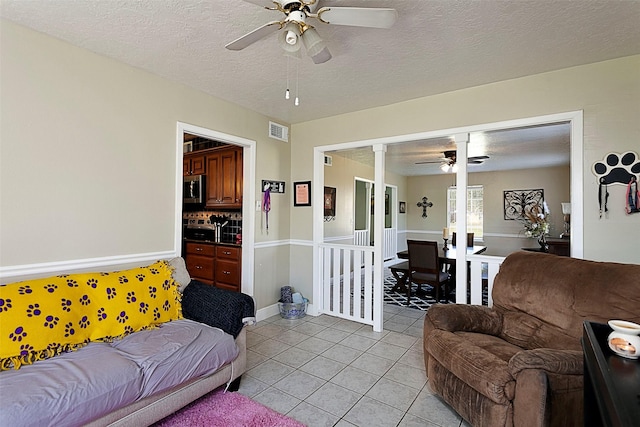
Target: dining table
447 256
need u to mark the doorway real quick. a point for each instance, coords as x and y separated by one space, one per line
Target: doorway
248 189
364 224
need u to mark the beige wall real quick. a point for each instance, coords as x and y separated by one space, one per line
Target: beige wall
606 92
77 129
88 158
501 236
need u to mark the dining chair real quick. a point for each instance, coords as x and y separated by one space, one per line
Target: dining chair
425 268
469 239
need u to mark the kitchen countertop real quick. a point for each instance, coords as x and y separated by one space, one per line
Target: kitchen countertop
211 242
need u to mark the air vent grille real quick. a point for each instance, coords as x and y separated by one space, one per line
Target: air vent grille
278 132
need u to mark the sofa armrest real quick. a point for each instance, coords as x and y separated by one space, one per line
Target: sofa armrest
467 318
564 362
227 310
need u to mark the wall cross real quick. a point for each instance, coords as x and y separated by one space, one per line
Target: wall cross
424 204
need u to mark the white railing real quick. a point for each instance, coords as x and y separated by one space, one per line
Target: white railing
390 247
361 238
347 281
483 267
390 243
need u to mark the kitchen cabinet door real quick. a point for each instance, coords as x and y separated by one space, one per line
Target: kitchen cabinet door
222 177
193 165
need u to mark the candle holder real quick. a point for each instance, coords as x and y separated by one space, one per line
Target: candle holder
445 247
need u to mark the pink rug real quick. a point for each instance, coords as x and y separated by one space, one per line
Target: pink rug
219 409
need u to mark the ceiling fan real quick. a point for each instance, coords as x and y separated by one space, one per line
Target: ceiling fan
298 31
448 162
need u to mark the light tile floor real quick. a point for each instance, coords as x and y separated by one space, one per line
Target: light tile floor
326 371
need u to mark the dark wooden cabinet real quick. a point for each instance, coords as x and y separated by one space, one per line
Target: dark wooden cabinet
228 267
193 164
611 382
215 264
224 178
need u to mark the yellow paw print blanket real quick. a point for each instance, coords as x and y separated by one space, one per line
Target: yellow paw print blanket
45 317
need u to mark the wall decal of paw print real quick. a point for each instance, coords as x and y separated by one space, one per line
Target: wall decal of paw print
617 168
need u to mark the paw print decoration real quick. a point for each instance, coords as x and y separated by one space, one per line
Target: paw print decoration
617 168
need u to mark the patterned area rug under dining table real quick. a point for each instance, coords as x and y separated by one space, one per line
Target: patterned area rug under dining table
421 301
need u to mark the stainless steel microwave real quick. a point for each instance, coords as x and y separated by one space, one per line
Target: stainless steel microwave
193 189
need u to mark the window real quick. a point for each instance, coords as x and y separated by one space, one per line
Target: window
474 209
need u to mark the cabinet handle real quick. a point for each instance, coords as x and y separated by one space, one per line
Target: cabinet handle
226 272
199 249
198 267
226 252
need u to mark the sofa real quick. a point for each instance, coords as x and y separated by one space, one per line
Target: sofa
520 362
123 348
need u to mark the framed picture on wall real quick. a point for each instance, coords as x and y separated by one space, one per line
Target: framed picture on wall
329 201
302 193
403 207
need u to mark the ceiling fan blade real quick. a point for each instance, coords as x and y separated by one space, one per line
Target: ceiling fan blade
358 16
478 158
254 36
264 3
430 161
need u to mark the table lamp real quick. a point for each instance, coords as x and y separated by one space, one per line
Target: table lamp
566 212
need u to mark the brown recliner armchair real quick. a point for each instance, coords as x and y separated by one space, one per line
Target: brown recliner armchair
520 363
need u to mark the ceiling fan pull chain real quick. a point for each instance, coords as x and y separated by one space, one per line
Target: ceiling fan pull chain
286 93
297 101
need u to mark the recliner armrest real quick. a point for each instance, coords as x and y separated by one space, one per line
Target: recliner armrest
566 362
467 318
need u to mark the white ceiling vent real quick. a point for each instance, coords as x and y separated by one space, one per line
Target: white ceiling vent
328 160
279 132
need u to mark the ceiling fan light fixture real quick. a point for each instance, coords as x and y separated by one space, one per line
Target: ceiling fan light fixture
312 42
290 39
454 168
444 167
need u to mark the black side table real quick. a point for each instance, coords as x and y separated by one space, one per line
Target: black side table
611 382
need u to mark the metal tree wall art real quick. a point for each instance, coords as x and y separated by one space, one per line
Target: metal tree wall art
424 204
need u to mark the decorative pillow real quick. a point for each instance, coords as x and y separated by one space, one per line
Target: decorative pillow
180 273
45 317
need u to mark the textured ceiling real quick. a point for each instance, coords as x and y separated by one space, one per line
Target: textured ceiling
434 47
